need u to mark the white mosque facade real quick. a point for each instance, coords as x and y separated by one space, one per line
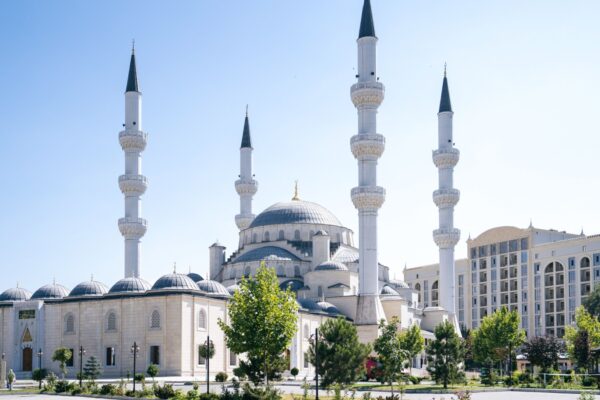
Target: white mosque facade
332 273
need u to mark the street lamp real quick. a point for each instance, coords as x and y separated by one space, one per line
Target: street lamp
316 338
81 354
209 347
40 353
135 349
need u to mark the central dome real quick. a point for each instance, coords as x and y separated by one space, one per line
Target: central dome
295 212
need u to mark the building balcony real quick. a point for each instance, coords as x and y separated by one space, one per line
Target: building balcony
246 187
368 198
367 146
446 158
133 185
131 140
367 94
444 198
132 228
446 238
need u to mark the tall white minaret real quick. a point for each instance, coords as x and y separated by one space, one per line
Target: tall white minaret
367 94
133 184
246 186
445 198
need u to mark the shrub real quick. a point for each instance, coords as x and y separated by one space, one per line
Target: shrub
510 380
239 373
165 391
266 393
108 389
63 386
139 377
192 394
415 380
152 371
586 396
588 381
51 379
221 377
294 371
76 390
130 393
209 396
144 393
487 376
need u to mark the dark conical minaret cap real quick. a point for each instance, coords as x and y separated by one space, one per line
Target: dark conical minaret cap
367 27
132 83
246 142
445 104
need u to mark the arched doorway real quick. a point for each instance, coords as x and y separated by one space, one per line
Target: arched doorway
27 359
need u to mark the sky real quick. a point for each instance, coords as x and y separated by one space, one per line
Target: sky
524 85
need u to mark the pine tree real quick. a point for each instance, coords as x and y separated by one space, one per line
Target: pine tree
92 369
445 354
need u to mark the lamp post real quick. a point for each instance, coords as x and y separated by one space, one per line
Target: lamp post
40 353
134 350
3 371
209 346
81 354
316 337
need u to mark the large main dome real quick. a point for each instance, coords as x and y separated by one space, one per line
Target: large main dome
295 212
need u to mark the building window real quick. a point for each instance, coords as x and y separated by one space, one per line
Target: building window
69 324
155 320
155 355
201 360
320 291
111 322
70 361
434 294
202 319
254 238
306 331
232 359
280 270
267 237
296 234
585 262
111 359
297 273
305 360
281 235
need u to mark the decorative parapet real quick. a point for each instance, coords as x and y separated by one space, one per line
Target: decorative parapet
132 228
446 158
368 197
246 186
133 185
446 238
367 94
244 221
131 140
444 198
367 145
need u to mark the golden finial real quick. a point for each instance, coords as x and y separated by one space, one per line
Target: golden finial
296 198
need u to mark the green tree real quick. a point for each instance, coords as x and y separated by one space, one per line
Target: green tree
581 352
445 354
412 341
62 355
38 375
92 369
578 343
592 303
498 337
543 352
390 351
262 322
152 371
341 356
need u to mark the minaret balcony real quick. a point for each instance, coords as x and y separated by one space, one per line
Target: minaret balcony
368 197
444 198
249 186
132 140
132 228
133 185
243 221
367 146
446 158
367 94
446 238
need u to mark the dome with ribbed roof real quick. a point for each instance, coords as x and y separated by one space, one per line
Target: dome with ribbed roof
295 212
331 266
195 277
213 288
328 307
130 285
50 291
89 288
399 284
15 294
387 290
175 281
233 288
293 284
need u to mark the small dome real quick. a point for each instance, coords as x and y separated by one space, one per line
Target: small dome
387 290
293 284
50 291
212 287
130 285
89 288
331 266
399 284
15 294
195 277
308 304
328 307
233 288
175 282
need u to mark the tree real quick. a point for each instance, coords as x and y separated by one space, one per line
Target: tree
152 371
543 352
592 303
412 341
390 351
62 355
581 352
92 369
262 322
498 337
445 354
341 356
579 344
38 375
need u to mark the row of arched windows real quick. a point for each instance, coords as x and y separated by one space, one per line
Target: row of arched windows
280 271
266 237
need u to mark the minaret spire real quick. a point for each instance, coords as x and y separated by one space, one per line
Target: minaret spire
133 184
367 147
246 186
445 198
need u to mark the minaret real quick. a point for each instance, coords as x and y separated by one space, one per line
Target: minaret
445 198
246 186
367 94
132 183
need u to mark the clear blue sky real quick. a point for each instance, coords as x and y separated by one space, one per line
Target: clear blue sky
524 81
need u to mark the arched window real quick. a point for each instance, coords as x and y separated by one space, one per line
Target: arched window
69 323
320 291
585 262
306 331
434 294
297 235
232 359
202 319
549 268
247 271
418 289
297 273
267 237
254 238
280 270
111 321
155 320
281 235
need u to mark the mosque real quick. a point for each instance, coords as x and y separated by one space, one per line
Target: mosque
313 253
